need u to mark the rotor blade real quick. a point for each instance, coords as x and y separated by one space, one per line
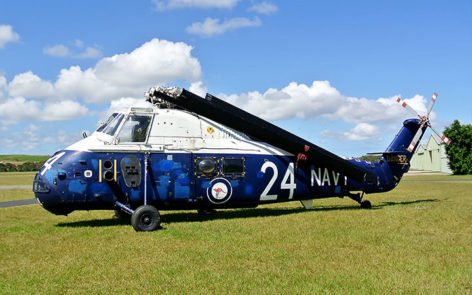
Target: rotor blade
227 114
416 138
407 106
431 103
441 135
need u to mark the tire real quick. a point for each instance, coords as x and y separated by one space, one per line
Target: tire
366 204
146 218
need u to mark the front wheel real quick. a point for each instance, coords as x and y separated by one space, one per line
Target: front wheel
146 218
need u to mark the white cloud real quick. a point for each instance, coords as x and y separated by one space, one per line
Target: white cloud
16 109
155 61
3 86
199 88
7 35
90 52
361 131
172 4
212 26
34 136
57 50
322 100
62 111
61 50
128 74
78 43
264 8
30 85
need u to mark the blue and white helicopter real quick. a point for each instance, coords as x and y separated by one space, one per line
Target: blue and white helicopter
189 152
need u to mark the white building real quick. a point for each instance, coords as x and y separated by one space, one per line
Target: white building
431 157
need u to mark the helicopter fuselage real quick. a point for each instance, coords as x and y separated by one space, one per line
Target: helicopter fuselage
173 159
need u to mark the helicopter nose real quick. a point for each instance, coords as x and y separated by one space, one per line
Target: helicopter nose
44 188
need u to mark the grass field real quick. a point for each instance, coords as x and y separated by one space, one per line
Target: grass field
417 239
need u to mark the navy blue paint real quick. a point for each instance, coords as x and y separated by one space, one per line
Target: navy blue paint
173 183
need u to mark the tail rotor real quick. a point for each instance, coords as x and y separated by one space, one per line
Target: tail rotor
424 121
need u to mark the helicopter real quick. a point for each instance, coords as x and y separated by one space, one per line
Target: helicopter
188 152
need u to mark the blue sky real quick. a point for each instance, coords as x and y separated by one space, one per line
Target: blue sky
328 71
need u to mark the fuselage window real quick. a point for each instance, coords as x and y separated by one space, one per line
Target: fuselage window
99 129
135 129
113 125
206 166
233 166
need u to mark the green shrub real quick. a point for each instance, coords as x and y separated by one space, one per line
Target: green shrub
459 151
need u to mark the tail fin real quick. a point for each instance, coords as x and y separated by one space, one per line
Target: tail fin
397 155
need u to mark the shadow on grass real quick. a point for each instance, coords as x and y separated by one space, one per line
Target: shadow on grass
96 222
233 214
405 203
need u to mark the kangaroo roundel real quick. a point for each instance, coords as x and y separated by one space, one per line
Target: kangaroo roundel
219 191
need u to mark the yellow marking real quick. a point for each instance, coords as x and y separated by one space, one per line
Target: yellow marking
114 167
210 130
100 170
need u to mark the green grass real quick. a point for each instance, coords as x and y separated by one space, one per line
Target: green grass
23 158
17 178
415 240
16 194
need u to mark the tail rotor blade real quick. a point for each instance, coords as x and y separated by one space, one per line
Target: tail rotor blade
431 104
441 135
415 140
408 107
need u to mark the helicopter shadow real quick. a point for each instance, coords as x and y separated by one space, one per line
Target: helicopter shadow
235 214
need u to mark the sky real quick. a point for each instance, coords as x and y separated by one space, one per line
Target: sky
328 71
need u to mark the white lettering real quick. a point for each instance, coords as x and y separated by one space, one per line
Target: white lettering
335 178
326 177
315 176
289 184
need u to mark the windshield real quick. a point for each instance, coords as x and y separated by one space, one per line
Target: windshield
113 125
135 128
104 124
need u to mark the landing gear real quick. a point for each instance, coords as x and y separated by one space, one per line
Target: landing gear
120 214
146 218
365 204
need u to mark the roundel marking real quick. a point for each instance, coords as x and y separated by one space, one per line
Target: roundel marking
219 191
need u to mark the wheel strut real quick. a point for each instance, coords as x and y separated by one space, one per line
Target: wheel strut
365 204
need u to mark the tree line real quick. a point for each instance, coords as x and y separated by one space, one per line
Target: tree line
25 167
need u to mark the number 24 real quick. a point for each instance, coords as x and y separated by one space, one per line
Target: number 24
288 181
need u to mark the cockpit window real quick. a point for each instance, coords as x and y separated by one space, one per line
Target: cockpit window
101 127
113 125
135 129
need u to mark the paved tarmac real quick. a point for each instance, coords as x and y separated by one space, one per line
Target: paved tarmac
16 203
16 186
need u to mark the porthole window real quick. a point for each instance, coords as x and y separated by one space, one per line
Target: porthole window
207 166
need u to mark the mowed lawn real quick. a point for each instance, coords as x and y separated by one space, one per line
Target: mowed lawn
13 186
416 239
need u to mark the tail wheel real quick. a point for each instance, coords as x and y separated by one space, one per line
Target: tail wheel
366 204
146 218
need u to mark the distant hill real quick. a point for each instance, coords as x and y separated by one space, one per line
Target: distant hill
11 163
